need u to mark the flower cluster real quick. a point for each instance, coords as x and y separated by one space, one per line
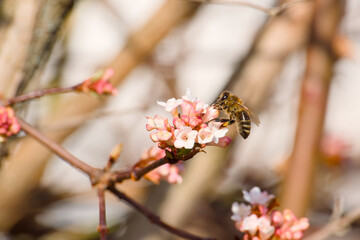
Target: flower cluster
259 220
168 172
8 123
191 127
99 84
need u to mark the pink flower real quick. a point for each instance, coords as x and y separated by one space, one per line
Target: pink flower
255 196
157 122
211 133
99 84
277 218
188 96
210 114
178 122
288 226
216 131
266 230
161 136
171 104
240 211
153 153
205 135
223 142
250 224
185 137
188 109
168 172
162 124
192 121
8 123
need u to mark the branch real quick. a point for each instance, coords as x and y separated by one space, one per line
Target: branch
154 218
271 11
336 225
136 174
51 18
38 94
59 150
300 174
102 229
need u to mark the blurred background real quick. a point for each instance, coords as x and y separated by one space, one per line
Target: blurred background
293 63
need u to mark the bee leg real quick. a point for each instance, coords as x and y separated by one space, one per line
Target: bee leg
225 122
217 107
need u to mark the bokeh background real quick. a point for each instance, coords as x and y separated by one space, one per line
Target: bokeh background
296 67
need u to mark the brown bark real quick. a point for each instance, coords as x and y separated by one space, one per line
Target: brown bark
50 19
282 36
299 180
15 40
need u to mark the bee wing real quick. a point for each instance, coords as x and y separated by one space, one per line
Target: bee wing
252 115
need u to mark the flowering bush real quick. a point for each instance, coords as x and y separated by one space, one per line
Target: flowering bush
191 127
259 220
8 123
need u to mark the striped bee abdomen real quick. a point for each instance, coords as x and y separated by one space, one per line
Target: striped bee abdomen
243 123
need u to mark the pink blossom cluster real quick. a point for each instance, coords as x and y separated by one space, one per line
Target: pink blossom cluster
99 84
258 221
190 127
8 123
168 172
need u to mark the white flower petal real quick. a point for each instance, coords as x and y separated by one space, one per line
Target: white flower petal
255 196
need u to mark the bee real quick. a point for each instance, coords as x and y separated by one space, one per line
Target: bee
238 113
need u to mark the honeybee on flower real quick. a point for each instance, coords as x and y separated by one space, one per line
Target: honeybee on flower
191 125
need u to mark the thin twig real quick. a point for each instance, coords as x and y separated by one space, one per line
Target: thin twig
59 150
336 225
38 94
271 11
138 173
102 229
154 218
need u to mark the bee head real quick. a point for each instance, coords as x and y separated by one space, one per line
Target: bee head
224 95
222 98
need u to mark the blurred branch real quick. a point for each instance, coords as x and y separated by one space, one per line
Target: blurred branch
335 225
38 94
255 75
299 180
138 48
153 217
102 229
49 22
271 11
15 39
57 149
